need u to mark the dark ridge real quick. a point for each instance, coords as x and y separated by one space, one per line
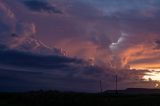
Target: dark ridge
135 91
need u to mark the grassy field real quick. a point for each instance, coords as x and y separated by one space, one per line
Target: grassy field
51 98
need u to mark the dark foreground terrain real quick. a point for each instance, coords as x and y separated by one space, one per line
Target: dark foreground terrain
53 98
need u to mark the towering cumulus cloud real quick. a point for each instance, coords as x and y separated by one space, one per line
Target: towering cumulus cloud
20 35
73 44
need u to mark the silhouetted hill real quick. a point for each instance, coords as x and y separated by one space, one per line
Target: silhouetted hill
134 91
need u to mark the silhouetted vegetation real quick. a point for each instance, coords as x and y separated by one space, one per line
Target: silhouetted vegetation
55 98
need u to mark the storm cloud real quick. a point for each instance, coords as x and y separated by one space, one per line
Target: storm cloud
76 43
41 6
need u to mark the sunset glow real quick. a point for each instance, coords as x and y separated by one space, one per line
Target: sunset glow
154 74
73 44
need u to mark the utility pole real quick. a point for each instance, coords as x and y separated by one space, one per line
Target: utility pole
116 84
100 85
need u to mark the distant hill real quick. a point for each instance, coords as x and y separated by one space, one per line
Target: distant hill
135 91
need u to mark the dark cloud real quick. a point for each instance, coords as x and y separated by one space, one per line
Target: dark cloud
113 35
15 58
40 6
27 71
157 44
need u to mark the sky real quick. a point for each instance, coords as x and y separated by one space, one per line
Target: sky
72 45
